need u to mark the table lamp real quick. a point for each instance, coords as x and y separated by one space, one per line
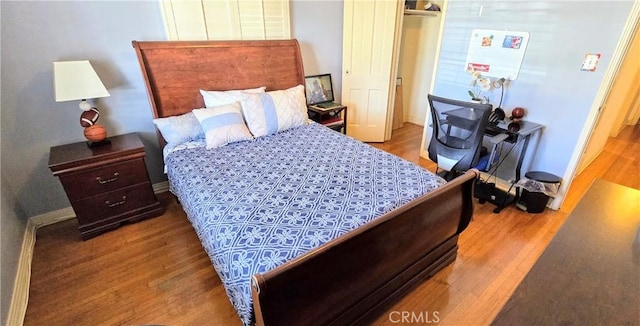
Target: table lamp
77 80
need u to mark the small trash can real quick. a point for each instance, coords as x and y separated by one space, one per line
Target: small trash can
535 195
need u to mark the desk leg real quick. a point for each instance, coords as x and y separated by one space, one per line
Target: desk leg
523 153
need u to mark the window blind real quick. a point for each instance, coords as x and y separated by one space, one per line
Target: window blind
226 19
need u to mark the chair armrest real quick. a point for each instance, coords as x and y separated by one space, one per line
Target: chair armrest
498 138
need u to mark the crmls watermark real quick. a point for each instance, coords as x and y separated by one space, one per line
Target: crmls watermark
414 317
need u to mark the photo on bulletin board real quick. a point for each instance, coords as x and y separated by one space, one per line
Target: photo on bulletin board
497 53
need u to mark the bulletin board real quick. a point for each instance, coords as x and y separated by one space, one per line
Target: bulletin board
497 53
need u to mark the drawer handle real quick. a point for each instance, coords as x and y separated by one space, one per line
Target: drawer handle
115 177
110 204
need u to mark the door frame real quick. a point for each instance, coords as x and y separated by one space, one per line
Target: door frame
612 117
633 21
395 61
426 132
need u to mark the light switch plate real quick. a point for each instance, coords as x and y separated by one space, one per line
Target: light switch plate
590 62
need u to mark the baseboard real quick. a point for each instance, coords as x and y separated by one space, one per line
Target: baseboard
20 297
586 161
67 213
415 120
49 218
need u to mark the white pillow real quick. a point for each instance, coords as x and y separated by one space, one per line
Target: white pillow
271 112
222 124
217 98
179 129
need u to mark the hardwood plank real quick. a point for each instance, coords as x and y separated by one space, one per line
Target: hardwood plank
156 272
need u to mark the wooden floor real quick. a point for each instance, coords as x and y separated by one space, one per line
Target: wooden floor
156 272
618 163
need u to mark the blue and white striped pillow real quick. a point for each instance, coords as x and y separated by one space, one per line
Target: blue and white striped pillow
271 112
222 125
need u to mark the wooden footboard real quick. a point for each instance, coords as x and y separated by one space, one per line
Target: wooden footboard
352 277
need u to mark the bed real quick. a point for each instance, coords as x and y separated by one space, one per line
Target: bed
304 226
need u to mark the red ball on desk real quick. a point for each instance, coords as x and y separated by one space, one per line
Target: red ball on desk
517 113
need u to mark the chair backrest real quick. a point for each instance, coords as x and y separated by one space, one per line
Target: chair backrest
458 128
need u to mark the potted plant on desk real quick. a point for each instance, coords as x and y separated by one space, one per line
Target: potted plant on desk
477 98
479 84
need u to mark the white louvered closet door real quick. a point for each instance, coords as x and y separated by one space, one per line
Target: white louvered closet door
226 19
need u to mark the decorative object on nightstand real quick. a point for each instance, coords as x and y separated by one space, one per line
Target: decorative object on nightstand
319 92
77 80
320 103
106 185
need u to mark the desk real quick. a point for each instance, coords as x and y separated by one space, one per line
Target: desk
527 130
465 118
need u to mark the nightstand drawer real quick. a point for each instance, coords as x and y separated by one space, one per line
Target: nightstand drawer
114 203
104 179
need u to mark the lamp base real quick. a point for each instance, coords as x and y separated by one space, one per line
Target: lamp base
92 144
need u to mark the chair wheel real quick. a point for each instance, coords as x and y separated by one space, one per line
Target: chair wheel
482 201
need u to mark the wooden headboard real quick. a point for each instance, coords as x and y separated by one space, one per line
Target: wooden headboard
175 71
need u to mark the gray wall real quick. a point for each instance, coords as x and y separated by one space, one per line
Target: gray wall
34 34
12 226
318 27
550 84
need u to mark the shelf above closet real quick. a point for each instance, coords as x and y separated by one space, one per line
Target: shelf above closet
413 12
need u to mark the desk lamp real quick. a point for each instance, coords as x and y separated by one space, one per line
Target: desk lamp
498 113
77 80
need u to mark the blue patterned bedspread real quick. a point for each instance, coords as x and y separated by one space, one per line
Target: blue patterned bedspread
257 204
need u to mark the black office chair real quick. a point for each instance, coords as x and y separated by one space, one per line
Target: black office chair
458 130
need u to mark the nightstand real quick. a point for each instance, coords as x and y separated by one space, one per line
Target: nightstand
106 185
334 118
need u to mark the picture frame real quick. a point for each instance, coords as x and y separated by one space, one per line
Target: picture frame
319 89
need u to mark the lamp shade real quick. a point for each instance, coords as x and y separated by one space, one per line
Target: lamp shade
76 80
